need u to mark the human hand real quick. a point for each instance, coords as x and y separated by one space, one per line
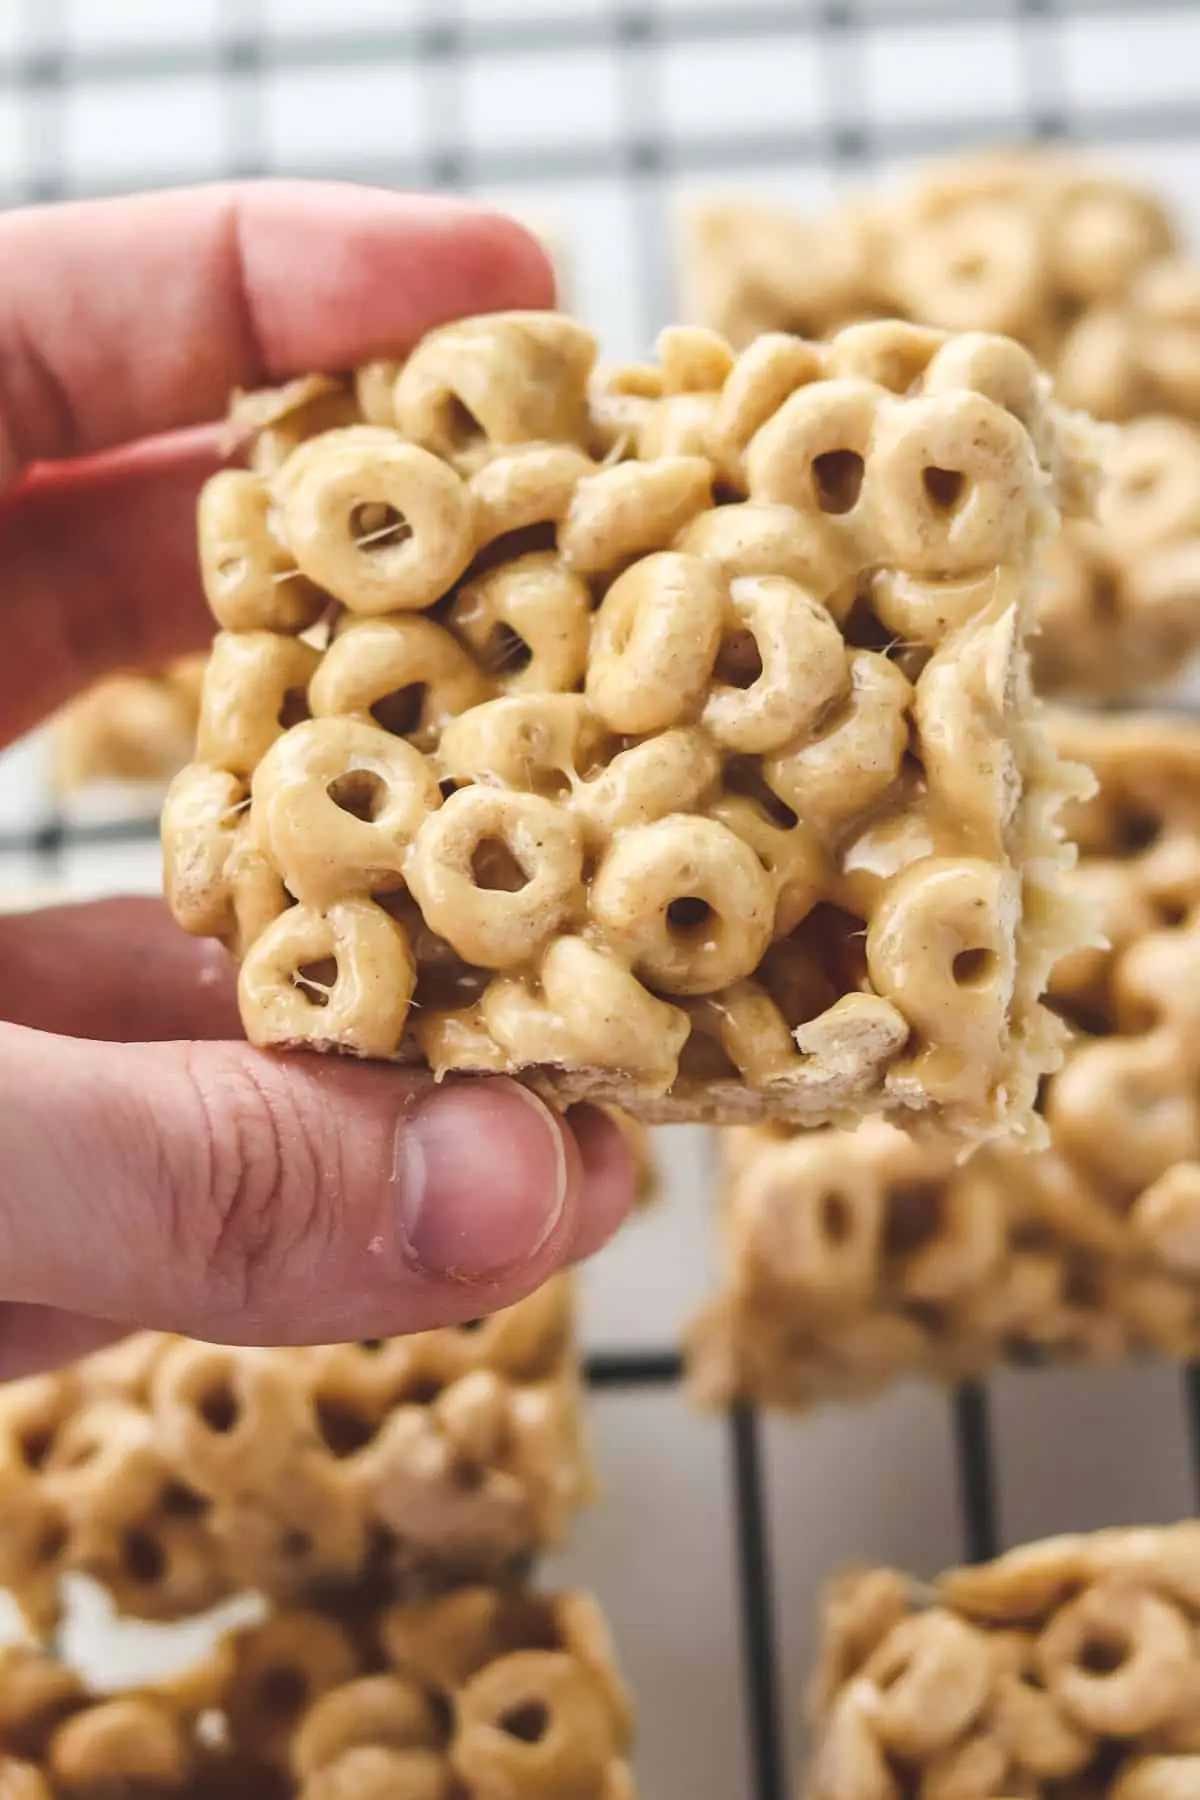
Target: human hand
157 1173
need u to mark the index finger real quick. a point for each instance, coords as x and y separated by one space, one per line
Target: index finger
121 319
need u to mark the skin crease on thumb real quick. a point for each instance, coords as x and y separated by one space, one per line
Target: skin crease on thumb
236 1196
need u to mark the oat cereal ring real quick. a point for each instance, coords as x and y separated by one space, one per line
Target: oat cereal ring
497 380
791 856
795 660
655 642
1117 1110
337 803
748 539
226 1419
535 743
406 673
666 774
381 525
370 1772
342 978
977 266
941 947
963 699
22 1781
390 1711
533 485
976 1768
527 622
888 353
630 510
1151 492
1166 1217
497 873
374 386
692 359
199 821
952 480
1157 1778
854 756
1032 1728
128 1744
687 902
250 580
280 1669
996 367
534 1723
849 1762
811 455
605 1013
1105 232
764 375
1119 1661
931 1676
254 690
36 1695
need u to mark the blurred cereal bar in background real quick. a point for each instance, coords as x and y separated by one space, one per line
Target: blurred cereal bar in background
1065 1668
178 1474
854 1259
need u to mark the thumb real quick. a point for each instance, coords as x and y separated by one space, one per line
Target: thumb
243 1197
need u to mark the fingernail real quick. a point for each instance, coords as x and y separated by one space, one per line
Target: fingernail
480 1178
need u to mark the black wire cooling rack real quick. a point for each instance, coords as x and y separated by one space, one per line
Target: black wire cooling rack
52 55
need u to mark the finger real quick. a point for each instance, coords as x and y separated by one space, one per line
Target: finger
120 970
228 1194
36 1339
123 318
609 1173
100 572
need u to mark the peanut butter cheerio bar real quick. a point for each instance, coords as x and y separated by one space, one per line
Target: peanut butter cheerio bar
464 1696
1065 1670
855 1258
663 738
178 1474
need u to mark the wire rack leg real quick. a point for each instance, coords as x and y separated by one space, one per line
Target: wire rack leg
760 1658
976 1472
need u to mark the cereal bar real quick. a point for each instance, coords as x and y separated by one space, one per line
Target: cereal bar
670 742
854 1258
469 1696
1066 1670
1120 611
177 1474
135 727
1039 246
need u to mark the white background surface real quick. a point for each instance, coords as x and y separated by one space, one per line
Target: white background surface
1073 1449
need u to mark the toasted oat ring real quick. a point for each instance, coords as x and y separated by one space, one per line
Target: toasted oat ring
801 659
528 623
382 526
610 1020
631 509
941 948
687 902
199 824
463 856
289 993
532 485
565 1758
932 1673
407 673
1118 1660
668 773
387 1710
337 802
654 643
255 680
952 479
250 580
812 455
535 743
856 756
